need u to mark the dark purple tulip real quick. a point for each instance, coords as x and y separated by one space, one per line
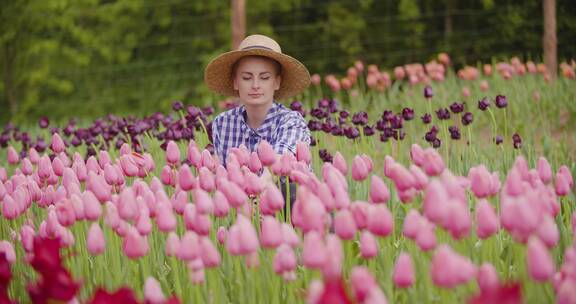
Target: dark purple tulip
517 141
314 125
397 122
323 103
436 143
53 130
426 118
177 105
325 156
360 118
23 153
430 136
41 145
208 110
296 105
383 137
467 118
380 125
407 114
4 139
457 107
399 135
76 141
368 131
389 132
351 132
210 148
484 103
333 106
312 141
428 93
434 129
318 113
443 114
454 132
501 101
328 126
192 111
344 114
387 115
337 131
43 122
499 139
90 152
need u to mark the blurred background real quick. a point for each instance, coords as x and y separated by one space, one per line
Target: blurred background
88 58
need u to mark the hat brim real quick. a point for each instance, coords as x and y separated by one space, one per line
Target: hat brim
218 73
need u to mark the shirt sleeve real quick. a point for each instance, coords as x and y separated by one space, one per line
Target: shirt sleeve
216 138
292 129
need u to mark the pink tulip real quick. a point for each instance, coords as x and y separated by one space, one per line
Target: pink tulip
266 153
9 208
186 179
548 231
127 208
26 167
449 269
221 206
179 200
189 248
566 172
165 219
360 212
433 164
172 153
544 170
143 223
167 176
221 234
57 144
92 165
44 167
193 155
95 241
153 292
426 238
270 232
189 216
99 187
206 179
487 223
379 192
33 156
303 152
487 277
65 213
308 212
339 163
209 254
403 275
480 181
540 264
254 164
417 155
134 245
562 185
380 220
203 201
8 250
314 251
284 260
242 238
112 219
27 237
253 185
359 169
362 282
368 245
344 225
271 200
289 235
172 244
402 177
235 195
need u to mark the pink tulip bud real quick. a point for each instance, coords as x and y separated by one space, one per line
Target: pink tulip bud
487 277
548 231
271 200
153 292
127 208
487 223
27 237
186 179
368 245
433 164
359 169
289 235
544 170
284 260
449 269
92 208
540 264
339 163
221 235
44 167
420 178
8 250
380 221
379 192
480 181
403 276
193 155
26 167
360 212
209 254
303 152
562 185
253 185
95 241
112 219
134 245
9 208
270 232
172 244
167 176
206 179
362 282
266 153
344 225
221 206
426 238
255 164
566 172
165 219
143 223
66 214
314 252
172 153
189 248
235 195
57 144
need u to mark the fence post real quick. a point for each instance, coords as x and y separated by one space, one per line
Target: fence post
549 39
238 16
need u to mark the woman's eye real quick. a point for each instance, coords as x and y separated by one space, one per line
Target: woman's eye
265 78
246 78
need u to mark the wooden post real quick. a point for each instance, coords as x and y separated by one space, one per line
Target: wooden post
549 39
238 22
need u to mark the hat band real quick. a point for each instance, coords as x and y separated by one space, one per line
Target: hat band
256 47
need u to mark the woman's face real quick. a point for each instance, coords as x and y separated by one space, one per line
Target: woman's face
256 80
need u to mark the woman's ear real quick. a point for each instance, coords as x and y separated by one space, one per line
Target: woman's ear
235 83
277 82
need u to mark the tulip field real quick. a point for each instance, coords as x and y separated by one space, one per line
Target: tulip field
421 185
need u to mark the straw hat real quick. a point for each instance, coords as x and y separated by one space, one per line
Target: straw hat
218 73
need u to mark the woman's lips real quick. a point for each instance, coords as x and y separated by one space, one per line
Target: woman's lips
254 95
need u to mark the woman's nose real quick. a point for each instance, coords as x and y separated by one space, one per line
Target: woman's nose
255 83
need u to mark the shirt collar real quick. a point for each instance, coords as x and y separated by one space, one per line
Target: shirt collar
269 116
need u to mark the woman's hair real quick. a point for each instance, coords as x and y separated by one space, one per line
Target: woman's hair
277 65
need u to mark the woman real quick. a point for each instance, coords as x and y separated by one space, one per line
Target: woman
258 74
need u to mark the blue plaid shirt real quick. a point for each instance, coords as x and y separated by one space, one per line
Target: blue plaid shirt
282 128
